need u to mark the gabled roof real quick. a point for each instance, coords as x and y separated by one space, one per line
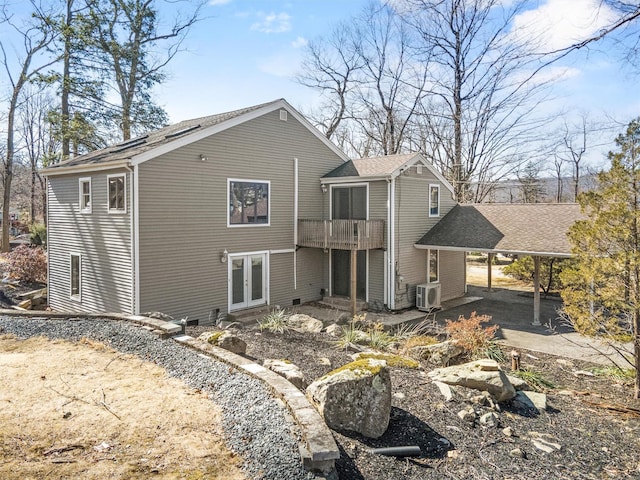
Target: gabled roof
164 140
387 166
525 229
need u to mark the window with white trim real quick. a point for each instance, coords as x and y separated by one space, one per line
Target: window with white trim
434 200
75 276
85 195
248 202
433 267
116 190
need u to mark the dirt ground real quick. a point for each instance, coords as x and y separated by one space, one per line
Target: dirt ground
86 411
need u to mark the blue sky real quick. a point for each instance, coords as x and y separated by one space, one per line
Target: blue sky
247 51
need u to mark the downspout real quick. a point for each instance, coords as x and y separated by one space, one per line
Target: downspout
295 223
391 244
133 225
48 244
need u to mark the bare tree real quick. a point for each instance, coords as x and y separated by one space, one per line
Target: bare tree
36 37
372 85
331 65
481 120
38 143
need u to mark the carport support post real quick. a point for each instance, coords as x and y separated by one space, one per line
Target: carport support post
489 267
354 270
536 291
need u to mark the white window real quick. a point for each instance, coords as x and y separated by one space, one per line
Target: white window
116 190
75 276
434 200
248 202
85 195
433 267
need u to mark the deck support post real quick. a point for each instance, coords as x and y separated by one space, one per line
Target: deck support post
536 291
489 267
354 278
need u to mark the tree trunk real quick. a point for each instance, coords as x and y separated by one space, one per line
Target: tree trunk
66 86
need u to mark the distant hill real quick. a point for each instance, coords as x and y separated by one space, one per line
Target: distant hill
511 191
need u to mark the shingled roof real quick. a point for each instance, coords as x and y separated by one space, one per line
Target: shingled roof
533 229
372 166
144 147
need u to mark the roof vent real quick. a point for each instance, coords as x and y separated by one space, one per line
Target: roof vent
283 115
419 169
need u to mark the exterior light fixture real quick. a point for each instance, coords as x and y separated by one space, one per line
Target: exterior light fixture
323 187
223 257
204 158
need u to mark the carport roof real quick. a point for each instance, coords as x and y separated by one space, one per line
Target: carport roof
524 229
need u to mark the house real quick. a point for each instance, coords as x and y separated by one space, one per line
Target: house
243 209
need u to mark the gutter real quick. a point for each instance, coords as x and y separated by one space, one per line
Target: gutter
55 171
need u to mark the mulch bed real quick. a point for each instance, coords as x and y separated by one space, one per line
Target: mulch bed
595 441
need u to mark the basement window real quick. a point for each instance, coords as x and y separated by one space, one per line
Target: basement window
75 276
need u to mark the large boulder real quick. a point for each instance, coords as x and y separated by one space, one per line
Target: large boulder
288 370
484 375
304 323
355 397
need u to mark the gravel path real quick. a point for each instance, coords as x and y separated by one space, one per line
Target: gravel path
254 422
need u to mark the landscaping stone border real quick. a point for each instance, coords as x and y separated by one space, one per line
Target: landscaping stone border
318 448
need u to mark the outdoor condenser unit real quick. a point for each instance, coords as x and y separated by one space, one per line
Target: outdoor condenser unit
428 296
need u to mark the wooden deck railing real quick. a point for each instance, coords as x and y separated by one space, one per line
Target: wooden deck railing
341 234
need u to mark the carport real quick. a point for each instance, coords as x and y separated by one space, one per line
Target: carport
536 229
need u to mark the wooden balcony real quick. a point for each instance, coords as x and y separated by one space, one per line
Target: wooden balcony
341 234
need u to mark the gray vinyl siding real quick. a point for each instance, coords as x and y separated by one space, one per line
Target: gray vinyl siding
378 194
412 221
183 216
103 241
452 274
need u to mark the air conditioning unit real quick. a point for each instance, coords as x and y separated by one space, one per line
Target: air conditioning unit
428 296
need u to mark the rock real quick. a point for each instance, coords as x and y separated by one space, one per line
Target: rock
542 441
583 373
490 419
393 361
324 361
518 383
233 343
334 330
438 353
482 375
516 452
355 397
485 399
304 323
288 370
467 415
158 316
531 400
507 432
343 319
226 340
399 395
445 390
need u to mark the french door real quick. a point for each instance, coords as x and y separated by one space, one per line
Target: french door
247 280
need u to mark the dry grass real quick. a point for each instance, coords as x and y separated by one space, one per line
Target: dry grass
86 411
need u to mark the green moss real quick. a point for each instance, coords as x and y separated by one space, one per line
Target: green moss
213 339
394 361
361 366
